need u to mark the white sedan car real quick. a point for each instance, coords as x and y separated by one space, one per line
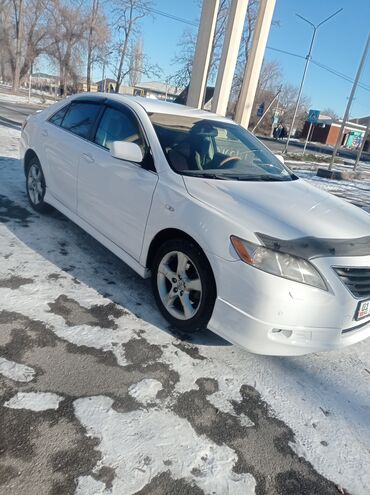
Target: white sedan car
232 239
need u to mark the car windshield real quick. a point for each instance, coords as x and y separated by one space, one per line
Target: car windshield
216 150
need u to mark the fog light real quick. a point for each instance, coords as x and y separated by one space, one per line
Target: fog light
286 333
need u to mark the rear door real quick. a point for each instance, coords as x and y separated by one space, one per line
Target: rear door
64 136
115 195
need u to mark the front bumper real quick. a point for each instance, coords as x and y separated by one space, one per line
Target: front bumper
269 315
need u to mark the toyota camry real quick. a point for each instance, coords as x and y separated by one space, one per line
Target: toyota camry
232 239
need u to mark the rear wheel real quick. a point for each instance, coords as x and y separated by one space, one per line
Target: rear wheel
36 186
183 284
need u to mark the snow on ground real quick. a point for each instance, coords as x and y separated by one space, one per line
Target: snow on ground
16 371
34 401
23 99
127 436
145 391
323 398
355 191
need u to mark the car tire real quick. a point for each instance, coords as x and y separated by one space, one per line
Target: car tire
36 186
183 285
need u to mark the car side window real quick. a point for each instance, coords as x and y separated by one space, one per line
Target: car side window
80 118
117 125
58 117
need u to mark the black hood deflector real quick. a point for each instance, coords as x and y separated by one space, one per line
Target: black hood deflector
317 247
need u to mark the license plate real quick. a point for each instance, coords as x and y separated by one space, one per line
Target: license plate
363 310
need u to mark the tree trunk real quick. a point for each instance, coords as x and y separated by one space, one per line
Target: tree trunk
19 38
120 67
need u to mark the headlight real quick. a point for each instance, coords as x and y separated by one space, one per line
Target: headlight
277 263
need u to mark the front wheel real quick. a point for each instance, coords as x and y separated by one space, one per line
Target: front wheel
36 186
183 285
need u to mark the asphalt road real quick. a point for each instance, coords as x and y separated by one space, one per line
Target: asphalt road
13 114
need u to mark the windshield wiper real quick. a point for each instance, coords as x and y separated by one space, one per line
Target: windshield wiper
271 178
261 178
205 175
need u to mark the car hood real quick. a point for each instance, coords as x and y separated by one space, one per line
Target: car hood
285 210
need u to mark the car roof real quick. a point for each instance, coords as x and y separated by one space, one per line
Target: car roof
152 105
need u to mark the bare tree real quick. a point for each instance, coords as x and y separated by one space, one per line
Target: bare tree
330 113
288 100
127 15
97 44
184 59
68 27
18 6
24 35
4 23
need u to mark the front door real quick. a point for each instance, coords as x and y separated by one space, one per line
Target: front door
114 196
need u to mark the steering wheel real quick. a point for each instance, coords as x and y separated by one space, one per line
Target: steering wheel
225 161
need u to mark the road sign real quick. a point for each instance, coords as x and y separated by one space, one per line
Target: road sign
313 116
260 110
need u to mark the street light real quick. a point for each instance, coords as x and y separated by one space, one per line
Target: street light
308 59
108 54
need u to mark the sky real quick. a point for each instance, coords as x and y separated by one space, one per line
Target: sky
339 45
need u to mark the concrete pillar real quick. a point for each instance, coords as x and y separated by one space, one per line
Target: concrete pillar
203 52
255 60
229 56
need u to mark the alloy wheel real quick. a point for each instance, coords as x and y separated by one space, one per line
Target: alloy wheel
179 285
35 184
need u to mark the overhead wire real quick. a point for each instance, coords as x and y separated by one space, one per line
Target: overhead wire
322 66
171 16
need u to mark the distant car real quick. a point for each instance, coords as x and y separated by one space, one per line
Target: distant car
233 240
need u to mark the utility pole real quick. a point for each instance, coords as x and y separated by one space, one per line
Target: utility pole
350 99
308 138
276 114
30 86
94 13
308 60
267 109
106 57
361 148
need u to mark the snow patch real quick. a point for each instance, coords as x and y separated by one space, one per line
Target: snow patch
34 100
219 400
145 391
87 485
16 371
144 439
34 401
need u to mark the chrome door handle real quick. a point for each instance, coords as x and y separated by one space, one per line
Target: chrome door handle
88 157
44 132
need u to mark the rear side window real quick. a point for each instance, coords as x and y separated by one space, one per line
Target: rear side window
58 117
116 125
80 118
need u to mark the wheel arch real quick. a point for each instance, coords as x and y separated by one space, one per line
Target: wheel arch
166 235
30 153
